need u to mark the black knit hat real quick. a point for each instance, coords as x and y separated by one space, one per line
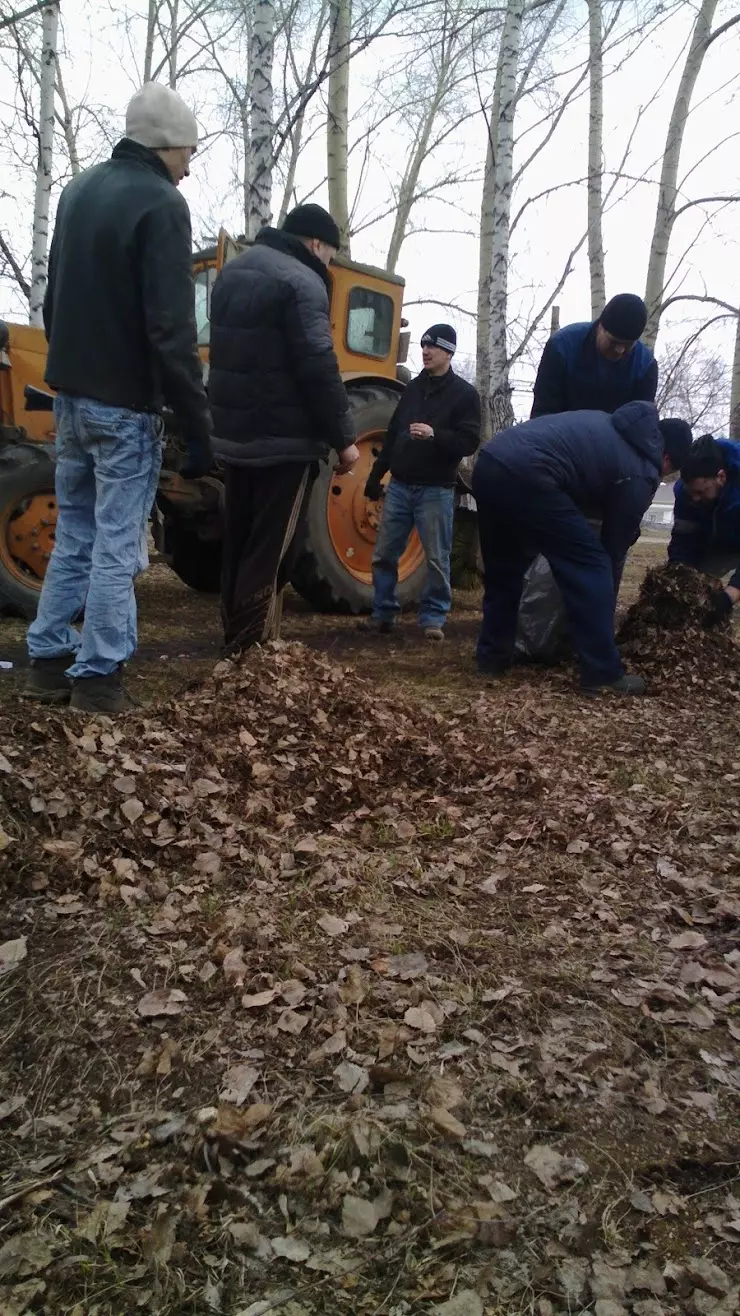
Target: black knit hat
676 440
440 335
625 316
312 221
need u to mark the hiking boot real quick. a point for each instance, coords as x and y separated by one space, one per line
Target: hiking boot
46 682
433 633
376 626
101 694
624 685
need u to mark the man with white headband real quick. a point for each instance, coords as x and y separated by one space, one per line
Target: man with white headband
436 423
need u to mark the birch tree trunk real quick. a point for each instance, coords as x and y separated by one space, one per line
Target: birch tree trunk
261 148
151 23
340 19
40 243
666 208
499 391
173 51
734 429
595 158
409 182
295 151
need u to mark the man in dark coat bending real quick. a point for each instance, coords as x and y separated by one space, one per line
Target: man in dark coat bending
279 407
532 485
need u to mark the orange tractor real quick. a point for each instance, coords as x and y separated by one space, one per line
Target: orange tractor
334 570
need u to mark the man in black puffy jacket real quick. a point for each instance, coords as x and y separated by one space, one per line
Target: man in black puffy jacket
120 319
279 407
436 423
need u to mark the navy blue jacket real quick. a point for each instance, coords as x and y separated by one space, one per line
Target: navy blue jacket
574 376
714 527
609 465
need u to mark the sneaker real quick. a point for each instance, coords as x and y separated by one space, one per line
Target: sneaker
624 685
433 633
46 682
101 694
376 626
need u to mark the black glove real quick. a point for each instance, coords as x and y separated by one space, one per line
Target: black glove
721 608
199 459
373 488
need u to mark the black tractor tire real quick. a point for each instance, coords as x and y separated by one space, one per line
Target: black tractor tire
26 470
196 561
319 575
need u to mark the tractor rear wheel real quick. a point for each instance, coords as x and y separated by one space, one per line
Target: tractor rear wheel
28 514
334 571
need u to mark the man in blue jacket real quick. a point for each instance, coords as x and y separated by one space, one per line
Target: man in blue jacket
534 484
706 524
597 366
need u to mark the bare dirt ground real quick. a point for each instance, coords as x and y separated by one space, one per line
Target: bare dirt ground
386 993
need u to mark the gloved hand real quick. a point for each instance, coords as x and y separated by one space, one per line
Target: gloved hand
373 487
199 459
721 608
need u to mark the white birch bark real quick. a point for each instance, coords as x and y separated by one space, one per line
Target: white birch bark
174 44
151 23
261 146
340 19
595 159
40 243
499 392
666 208
734 429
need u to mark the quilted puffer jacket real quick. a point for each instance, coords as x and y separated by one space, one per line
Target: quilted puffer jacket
275 389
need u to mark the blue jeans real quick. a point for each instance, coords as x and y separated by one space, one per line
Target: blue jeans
518 519
430 509
107 468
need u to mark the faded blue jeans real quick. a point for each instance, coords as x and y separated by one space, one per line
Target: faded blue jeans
107 468
430 509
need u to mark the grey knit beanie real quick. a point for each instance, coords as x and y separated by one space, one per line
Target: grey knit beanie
157 117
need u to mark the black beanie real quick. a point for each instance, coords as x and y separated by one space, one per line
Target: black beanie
312 221
441 335
625 316
676 440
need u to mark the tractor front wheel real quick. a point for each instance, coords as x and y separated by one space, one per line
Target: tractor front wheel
28 514
334 571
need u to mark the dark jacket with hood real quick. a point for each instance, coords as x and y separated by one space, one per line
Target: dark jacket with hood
274 383
574 376
452 407
699 529
119 310
609 465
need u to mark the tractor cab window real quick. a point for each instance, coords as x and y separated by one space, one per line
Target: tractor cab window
369 322
203 285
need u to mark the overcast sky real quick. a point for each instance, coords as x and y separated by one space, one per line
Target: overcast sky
442 262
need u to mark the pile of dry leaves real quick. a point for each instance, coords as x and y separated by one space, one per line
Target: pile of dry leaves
663 632
317 1000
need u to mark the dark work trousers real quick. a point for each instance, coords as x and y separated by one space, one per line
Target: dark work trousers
517 519
264 523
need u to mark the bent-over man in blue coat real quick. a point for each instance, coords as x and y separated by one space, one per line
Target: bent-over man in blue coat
534 484
599 365
706 522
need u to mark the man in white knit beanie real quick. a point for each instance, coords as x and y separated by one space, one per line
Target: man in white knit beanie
120 319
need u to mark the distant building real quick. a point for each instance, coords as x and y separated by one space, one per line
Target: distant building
659 515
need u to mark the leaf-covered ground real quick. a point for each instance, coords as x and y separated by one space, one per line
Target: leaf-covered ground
321 995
